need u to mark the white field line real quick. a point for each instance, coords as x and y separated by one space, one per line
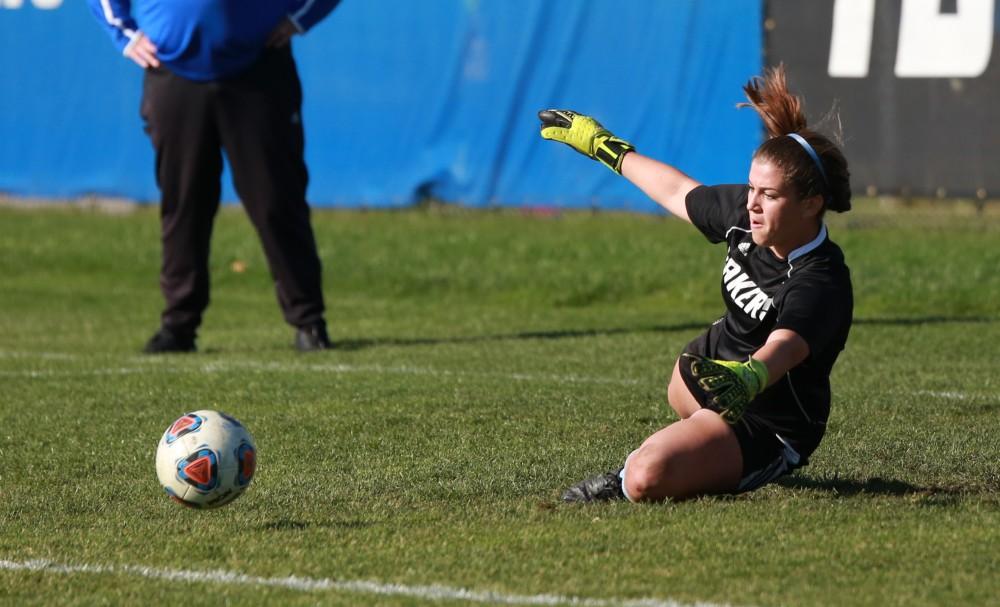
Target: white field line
42 355
231 365
950 394
304 584
148 363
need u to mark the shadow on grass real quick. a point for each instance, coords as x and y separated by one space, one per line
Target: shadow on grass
358 344
290 525
846 487
906 321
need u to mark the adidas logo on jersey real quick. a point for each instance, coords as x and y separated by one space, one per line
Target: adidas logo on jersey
744 247
744 292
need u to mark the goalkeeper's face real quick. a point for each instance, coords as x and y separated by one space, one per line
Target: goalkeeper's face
780 219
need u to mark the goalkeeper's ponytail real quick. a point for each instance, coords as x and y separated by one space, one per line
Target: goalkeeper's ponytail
809 161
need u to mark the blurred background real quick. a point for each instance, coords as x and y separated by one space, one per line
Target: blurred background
437 99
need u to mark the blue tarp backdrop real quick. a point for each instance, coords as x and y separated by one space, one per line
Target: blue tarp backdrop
405 99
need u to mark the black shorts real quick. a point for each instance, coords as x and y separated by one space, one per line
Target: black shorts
774 438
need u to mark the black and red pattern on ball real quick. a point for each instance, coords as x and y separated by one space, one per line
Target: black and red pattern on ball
247 458
200 469
183 426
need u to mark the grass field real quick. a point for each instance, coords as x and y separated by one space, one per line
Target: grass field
486 361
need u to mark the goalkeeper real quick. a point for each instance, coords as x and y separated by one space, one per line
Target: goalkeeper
753 391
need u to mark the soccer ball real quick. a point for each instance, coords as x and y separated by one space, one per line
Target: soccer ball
205 459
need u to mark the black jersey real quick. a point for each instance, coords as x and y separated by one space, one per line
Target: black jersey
809 293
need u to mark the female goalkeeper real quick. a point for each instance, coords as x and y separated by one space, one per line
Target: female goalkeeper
753 391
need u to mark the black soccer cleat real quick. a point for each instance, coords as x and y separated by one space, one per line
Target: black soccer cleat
600 488
168 340
312 338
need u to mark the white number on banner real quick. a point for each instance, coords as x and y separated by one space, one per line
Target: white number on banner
931 44
42 4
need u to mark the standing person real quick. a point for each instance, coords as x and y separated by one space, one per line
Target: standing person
219 75
753 391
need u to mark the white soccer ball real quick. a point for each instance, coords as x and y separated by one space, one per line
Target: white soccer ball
205 459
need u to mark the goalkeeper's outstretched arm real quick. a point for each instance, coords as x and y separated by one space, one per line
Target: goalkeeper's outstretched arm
666 185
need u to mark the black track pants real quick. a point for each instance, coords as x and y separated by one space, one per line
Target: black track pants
255 119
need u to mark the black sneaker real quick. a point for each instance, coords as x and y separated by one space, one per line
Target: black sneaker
603 487
312 338
170 340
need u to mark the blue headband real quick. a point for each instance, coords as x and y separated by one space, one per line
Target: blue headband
812 154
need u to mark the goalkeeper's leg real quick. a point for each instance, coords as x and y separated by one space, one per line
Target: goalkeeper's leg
679 395
695 456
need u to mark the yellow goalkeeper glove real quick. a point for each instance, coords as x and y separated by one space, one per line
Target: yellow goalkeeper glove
731 385
585 135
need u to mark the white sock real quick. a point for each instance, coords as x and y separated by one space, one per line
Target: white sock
621 475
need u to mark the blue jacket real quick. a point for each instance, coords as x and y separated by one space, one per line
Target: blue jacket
205 39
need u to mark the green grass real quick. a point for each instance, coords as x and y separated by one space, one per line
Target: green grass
488 360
